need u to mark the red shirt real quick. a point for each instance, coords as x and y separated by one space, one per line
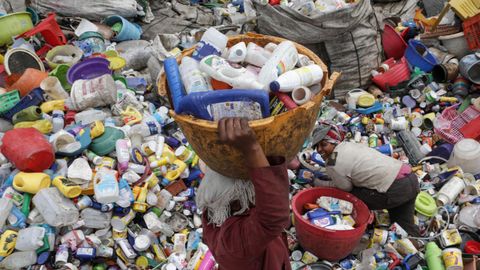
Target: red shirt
253 241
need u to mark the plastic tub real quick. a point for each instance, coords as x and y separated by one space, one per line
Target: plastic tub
88 69
456 44
65 50
95 40
329 244
129 31
393 43
13 25
279 135
414 55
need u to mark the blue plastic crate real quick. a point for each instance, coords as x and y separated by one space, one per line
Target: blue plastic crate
34 98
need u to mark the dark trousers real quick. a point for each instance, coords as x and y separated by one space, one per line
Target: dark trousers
399 200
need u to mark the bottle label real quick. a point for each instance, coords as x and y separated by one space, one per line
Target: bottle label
248 109
153 128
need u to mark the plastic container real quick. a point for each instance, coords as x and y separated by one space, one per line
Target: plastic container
214 105
57 210
301 95
94 41
128 31
455 44
304 76
58 121
450 191
393 43
212 42
12 25
19 259
425 204
63 55
88 69
192 78
105 144
30 239
97 92
452 257
237 53
17 60
8 100
433 255
470 67
174 81
27 149
5 208
471 28
105 186
220 70
417 55
123 155
53 88
31 182
32 113
29 80
257 55
95 219
283 59
292 126
51 32
466 154
315 239
398 72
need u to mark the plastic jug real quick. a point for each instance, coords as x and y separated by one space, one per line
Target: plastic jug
237 53
304 76
284 58
32 113
67 188
57 210
95 219
8 239
5 208
123 154
219 69
192 78
44 125
105 186
19 260
257 55
212 42
89 116
214 105
450 191
31 182
433 255
30 239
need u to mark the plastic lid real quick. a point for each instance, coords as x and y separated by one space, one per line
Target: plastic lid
43 257
366 100
275 86
425 204
142 262
467 149
142 243
90 34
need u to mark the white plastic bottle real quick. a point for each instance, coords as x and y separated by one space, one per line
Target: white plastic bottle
53 88
58 120
30 239
237 53
105 186
284 58
148 127
89 116
19 259
450 191
57 210
192 78
123 154
304 76
212 42
257 55
5 208
219 69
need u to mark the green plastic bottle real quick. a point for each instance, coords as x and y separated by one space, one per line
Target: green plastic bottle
32 113
433 255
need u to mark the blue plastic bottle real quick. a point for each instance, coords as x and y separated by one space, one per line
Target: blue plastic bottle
214 105
177 92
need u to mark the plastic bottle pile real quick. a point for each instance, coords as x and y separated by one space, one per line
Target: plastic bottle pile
213 66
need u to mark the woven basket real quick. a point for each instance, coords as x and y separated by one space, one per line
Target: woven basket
279 135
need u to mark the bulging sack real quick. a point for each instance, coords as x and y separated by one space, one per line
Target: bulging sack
97 92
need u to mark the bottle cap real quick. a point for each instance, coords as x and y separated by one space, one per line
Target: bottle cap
274 86
142 243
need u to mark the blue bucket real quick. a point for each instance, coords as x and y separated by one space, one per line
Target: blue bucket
130 31
424 62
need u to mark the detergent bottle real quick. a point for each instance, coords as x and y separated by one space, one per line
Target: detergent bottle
30 238
212 42
123 154
68 189
256 55
5 208
58 120
219 69
237 53
283 59
32 113
31 182
57 210
174 81
44 125
105 186
304 76
192 78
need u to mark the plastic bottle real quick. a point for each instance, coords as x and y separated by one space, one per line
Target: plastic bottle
17 219
433 255
123 153
304 76
237 53
31 182
30 239
208 262
215 105
5 208
256 55
192 78
148 127
219 69
105 186
450 191
53 88
43 125
32 113
89 116
58 120
55 208
212 42
284 58
174 80
287 100
95 219
19 259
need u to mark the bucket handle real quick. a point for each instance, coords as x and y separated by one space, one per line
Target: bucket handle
370 218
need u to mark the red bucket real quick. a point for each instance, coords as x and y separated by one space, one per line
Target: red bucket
398 72
393 43
324 243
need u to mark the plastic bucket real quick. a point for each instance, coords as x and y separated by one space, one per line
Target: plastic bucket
130 31
279 135
329 244
416 58
64 50
13 25
393 44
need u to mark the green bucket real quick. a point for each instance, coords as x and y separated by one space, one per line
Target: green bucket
12 25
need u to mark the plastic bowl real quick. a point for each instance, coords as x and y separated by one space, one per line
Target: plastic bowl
417 55
65 50
88 69
12 25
